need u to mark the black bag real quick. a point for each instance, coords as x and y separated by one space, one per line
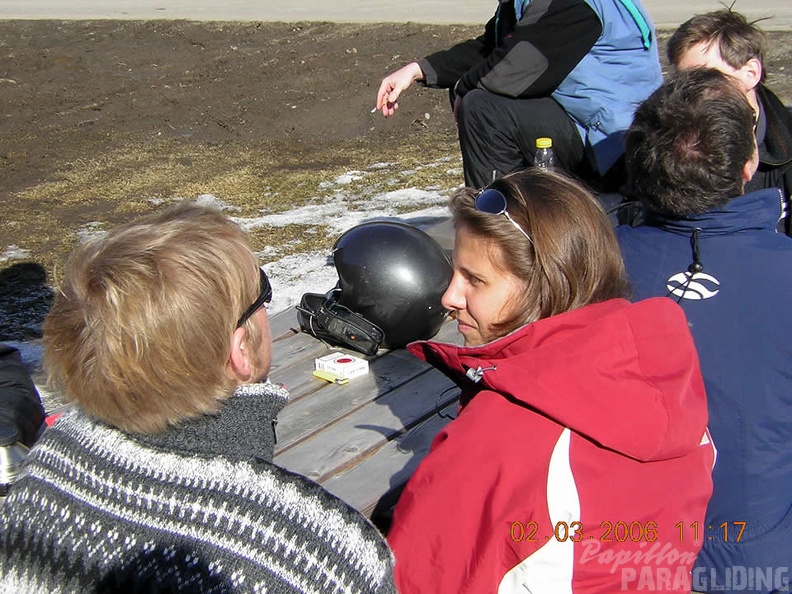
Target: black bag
323 317
20 404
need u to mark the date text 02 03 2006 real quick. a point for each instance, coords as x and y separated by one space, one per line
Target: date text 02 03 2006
624 531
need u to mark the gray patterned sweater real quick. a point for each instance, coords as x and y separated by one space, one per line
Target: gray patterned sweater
200 508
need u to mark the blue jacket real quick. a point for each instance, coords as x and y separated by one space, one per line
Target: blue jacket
622 69
739 308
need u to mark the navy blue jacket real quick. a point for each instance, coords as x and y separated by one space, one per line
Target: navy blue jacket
739 308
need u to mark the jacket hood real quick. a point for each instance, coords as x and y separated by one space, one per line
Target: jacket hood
623 375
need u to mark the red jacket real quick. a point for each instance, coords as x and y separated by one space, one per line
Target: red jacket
578 462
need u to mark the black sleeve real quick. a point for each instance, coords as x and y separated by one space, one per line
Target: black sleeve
443 69
544 47
20 405
778 143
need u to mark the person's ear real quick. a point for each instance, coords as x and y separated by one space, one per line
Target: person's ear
750 74
239 363
750 167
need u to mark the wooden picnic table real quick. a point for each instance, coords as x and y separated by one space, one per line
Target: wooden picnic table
361 440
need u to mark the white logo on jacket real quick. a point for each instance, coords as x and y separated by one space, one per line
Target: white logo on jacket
694 286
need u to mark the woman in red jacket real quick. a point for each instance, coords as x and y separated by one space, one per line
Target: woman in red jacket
579 461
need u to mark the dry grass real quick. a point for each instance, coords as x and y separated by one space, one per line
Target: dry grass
271 177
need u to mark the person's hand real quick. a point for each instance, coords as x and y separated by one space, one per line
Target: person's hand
393 85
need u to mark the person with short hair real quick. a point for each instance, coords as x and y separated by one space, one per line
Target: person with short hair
726 41
582 416
714 249
161 475
571 70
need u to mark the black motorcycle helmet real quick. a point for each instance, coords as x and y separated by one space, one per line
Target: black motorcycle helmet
393 275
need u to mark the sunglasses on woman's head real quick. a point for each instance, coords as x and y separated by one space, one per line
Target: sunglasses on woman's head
265 296
493 201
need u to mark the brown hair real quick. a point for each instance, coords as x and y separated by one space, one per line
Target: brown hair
573 258
140 330
738 40
688 144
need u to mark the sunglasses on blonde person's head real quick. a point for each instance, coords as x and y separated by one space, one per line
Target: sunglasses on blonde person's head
265 296
493 202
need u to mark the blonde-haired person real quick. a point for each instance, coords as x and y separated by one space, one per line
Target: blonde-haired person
580 444
162 476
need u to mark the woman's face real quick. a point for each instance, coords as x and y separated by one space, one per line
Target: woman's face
481 293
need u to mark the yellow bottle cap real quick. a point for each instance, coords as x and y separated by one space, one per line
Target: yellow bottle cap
544 143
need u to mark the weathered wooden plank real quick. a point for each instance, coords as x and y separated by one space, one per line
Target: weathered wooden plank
293 361
291 344
307 416
359 434
381 423
387 470
303 416
283 321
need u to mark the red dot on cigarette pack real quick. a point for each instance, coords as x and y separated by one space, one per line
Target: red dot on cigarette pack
344 360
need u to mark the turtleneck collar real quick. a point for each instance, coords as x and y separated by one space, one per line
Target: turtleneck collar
244 428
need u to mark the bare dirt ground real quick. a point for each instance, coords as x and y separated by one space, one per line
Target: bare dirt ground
161 108
104 120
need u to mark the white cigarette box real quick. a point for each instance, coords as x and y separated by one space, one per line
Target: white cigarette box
342 365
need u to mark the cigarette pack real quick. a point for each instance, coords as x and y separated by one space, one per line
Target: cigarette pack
342 365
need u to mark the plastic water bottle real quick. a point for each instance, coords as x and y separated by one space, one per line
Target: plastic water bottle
12 453
543 157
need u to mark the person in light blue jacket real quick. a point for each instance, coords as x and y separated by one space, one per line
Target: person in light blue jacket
573 70
715 250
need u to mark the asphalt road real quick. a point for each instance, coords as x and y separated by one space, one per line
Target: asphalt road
665 13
